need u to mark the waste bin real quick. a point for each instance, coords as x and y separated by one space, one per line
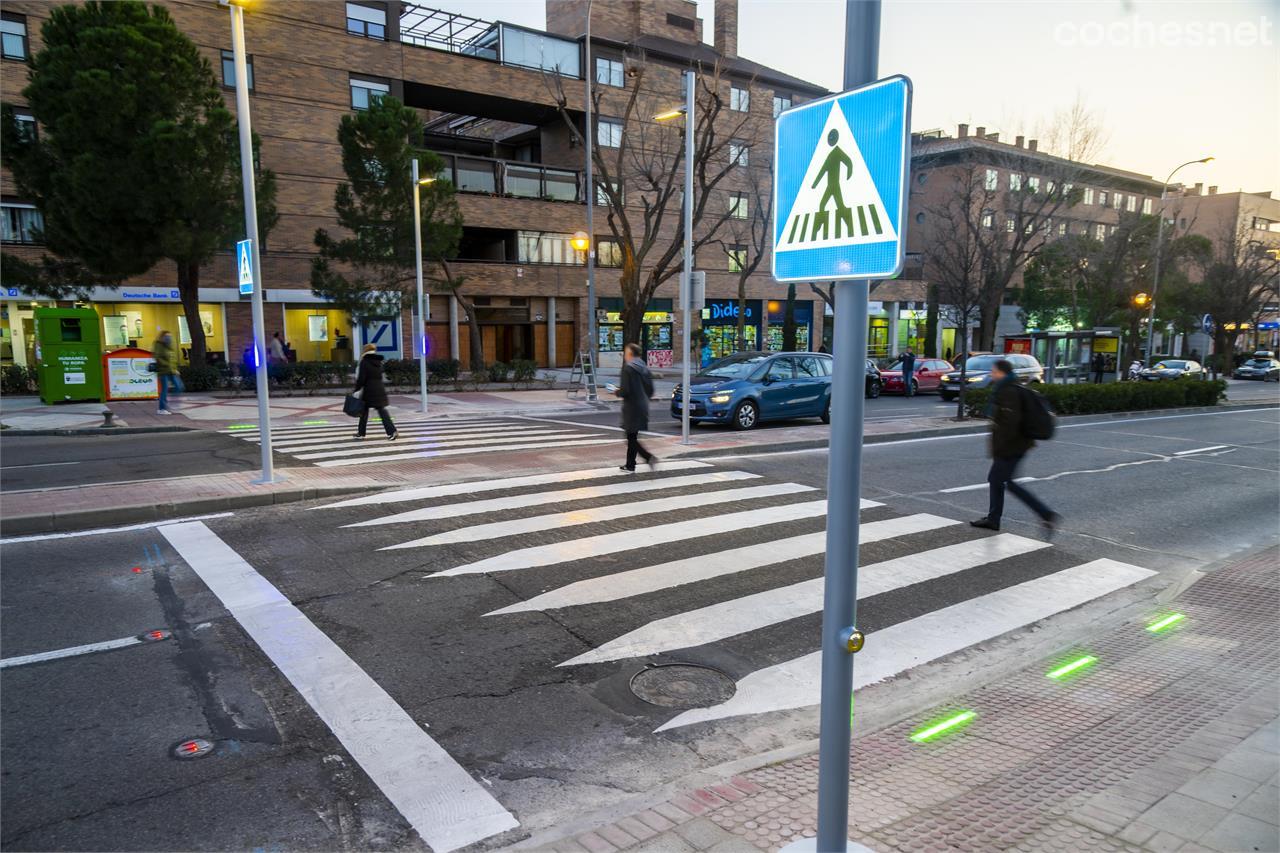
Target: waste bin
68 347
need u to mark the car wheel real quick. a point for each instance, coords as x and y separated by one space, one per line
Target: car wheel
746 415
873 389
947 397
825 417
915 388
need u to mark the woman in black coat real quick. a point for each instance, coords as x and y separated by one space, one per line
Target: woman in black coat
374 394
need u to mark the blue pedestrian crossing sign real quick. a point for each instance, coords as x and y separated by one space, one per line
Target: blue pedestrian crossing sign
840 184
244 266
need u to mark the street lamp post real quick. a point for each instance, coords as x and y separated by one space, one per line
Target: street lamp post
420 329
589 137
251 233
686 278
1155 279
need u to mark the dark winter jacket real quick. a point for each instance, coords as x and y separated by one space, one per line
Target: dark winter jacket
635 391
369 380
1007 437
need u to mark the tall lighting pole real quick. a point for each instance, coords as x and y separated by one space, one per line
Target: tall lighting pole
251 232
420 330
589 136
1155 280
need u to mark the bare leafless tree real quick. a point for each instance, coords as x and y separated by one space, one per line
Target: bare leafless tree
1239 280
745 239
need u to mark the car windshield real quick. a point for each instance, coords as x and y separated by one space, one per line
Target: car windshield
980 362
1171 365
1258 362
735 366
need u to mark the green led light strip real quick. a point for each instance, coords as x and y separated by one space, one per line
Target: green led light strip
1073 666
313 423
242 426
946 725
1166 622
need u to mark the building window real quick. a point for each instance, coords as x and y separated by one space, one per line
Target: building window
609 133
1062 229
1009 224
1131 203
1102 197
608 253
738 205
539 247
1088 195
26 126
1015 182
602 196
366 21
992 181
1117 200
737 153
13 34
229 70
366 92
1146 206
739 99
609 72
988 219
21 223
1099 231
780 103
737 258
1033 184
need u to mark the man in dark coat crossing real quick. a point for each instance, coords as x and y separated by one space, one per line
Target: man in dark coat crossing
635 390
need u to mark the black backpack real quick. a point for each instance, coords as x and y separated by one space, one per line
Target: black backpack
1038 421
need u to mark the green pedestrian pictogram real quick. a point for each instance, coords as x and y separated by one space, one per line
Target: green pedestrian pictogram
831 168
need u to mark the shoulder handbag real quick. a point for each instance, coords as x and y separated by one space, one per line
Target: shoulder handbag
353 406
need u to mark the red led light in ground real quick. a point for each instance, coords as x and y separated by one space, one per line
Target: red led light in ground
137 570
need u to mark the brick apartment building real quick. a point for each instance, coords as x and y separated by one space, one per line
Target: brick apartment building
486 95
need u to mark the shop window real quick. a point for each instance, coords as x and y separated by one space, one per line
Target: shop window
365 92
366 21
21 223
13 35
229 70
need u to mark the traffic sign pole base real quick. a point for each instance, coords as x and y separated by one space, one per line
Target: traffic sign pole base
265 481
810 845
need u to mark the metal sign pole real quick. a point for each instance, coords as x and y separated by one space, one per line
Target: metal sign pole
420 327
251 232
686 294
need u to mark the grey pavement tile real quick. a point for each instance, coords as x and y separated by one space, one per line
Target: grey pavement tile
1239 832
1164 842
702 833
1267 740
667 842
1182 815
1222 789
1250 763
1136 832
1126 807
734 845
1263 804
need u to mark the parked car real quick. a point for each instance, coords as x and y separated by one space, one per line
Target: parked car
1172 368
926 376
750 387
977 372
1262 366
875 382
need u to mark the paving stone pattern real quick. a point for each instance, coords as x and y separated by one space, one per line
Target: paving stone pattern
1168 743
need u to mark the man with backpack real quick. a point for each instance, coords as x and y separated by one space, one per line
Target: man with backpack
1018 416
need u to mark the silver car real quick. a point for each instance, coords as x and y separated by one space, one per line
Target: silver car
1262 366
977 373
1172 368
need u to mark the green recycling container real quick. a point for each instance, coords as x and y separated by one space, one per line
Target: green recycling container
68 354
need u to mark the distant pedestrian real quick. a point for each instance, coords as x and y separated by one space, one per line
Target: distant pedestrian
278 354
166 369
635 390
1007 407
372 392
1099 367
947 355
908 372
707 357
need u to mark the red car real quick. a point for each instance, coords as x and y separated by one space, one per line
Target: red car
927 375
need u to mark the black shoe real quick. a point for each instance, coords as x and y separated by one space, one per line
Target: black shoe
1051 524
394 435
653 462
985 524
625 468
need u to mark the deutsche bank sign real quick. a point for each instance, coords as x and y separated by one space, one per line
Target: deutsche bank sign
840 187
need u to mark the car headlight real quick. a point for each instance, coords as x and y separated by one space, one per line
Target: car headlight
951 377
722 397
973 379
675 392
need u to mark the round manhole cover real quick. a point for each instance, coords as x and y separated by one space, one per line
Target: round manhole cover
682 685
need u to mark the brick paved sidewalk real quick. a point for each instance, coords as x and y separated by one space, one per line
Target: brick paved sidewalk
1167 743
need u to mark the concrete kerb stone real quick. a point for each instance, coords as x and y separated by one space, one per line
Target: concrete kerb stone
120 430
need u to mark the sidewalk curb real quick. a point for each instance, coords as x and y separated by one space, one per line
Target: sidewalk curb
24 525
120 430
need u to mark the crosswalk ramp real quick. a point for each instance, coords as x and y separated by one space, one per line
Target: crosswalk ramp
696 561
331 443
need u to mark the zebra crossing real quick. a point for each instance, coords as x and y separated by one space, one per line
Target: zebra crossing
330 443
698 561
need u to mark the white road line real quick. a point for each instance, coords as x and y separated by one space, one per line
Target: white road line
74 651
345 438
438 798
467 488
694 569
589 425
38 465
892 650
976 486
752 612
612 512
462 451
337 425
626 487
644 537
379 444
40 537
337 432
1201 449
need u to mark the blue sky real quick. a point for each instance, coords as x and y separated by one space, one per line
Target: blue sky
1169 81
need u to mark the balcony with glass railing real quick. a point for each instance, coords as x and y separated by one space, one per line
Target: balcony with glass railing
492 40
512 178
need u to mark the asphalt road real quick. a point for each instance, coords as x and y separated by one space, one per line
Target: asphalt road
532 714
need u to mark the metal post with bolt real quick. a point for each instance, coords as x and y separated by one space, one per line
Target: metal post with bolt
589 139
251 233
1155 277
420 328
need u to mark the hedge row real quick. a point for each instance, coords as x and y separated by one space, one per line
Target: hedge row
1088 399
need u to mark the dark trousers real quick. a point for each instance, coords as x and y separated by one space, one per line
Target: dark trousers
1003 471
1097 377
382 413
634 448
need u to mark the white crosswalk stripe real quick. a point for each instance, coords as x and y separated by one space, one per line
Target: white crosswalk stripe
895 649
464 451
752 612
433 513
377 445
345 438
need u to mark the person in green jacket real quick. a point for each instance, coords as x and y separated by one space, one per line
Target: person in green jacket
166 369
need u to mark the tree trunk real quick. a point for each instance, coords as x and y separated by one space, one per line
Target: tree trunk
789 320
189 293
988 315
740 335
931 323
476 340
964 347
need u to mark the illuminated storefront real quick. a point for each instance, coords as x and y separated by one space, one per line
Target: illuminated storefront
656 338
803 314
720 326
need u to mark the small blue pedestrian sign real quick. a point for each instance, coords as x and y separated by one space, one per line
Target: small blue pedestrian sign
244 266
840 188
1206 324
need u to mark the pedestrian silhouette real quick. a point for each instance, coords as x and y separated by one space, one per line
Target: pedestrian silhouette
831 172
